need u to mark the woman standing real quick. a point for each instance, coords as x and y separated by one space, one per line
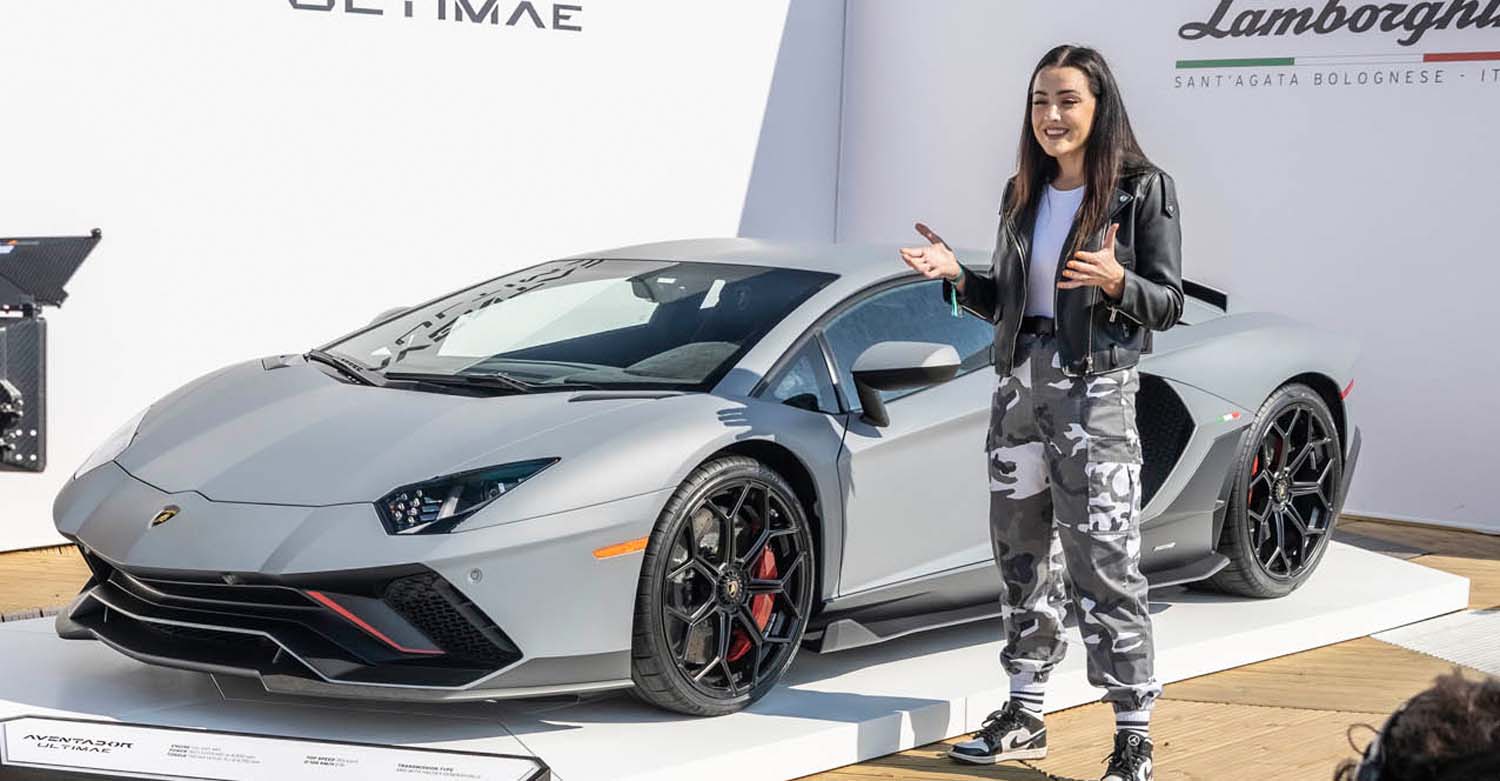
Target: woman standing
1087 264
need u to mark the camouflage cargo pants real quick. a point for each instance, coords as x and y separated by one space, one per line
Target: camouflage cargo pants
1065 469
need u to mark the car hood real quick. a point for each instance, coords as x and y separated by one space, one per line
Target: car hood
296 436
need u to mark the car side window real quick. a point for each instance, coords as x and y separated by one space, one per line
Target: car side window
913 312
804 381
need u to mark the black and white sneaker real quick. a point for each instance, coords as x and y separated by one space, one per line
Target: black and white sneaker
1008 733
1131 760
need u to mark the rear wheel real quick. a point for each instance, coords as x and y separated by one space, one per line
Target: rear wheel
725 590
1280 516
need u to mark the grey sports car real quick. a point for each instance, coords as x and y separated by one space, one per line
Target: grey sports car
665 467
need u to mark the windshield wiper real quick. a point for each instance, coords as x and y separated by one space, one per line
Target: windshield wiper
359 373
463 380
487 380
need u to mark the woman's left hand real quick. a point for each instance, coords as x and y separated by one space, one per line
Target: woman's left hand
1099 269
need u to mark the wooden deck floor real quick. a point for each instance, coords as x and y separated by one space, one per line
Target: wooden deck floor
33 580
1284 718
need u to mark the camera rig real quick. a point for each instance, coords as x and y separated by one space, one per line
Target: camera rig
32 274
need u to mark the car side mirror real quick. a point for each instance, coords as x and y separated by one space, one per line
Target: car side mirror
898 365
388 314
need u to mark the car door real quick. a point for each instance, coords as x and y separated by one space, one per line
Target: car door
916 492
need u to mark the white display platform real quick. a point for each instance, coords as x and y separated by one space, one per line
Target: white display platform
834 710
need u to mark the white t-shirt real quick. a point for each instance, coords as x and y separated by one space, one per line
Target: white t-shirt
1054 218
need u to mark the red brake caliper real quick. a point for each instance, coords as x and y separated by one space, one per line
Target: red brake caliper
760 606
1254 470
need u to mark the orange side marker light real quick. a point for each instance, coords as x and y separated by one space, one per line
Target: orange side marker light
631 546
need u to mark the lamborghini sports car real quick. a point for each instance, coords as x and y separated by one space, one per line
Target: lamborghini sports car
665 467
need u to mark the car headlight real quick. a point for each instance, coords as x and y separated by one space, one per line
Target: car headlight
113 445
438 505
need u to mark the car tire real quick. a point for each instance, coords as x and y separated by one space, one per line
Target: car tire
1269 506
693 650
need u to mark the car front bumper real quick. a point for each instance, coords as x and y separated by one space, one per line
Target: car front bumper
322 601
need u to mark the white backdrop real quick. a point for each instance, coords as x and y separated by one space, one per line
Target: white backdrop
1365 208
268 178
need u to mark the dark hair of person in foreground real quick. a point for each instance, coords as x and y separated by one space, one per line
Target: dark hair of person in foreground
1450 732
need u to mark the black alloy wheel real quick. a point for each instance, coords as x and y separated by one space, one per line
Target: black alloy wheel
1281 514
725 591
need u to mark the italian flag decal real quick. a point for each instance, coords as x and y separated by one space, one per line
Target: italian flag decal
1341 59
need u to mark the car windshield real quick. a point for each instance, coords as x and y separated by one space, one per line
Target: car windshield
605 323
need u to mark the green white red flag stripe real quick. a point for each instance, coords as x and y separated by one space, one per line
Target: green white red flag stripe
1341 59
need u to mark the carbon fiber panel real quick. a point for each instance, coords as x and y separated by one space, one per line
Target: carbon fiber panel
39 267
23 363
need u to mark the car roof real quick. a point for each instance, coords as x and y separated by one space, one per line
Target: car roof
856 262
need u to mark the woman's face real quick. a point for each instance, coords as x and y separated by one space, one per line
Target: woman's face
1062 110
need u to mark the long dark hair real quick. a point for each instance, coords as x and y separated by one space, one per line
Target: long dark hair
1110 150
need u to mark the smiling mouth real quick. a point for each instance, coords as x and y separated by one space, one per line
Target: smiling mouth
1054 133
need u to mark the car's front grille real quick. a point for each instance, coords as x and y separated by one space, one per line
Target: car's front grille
226 594
408 625
213 636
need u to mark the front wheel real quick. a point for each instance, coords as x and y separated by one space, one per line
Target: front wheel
725 590
1287 477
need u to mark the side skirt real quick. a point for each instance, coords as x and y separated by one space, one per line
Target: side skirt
858 627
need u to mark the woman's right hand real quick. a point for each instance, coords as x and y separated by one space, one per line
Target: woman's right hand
935 260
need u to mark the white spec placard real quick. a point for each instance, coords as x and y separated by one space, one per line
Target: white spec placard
109 749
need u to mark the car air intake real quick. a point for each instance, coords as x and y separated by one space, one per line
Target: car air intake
270 626
1165 427
450 620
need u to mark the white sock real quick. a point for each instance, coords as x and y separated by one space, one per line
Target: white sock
1137 721
1026 692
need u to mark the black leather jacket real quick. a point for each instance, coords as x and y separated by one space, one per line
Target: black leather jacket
1094 333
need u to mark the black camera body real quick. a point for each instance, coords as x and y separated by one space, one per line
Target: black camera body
23 394
32 274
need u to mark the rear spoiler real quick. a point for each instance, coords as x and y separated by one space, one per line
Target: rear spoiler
1208 295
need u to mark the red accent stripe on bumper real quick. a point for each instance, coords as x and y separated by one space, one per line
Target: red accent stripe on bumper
329 603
